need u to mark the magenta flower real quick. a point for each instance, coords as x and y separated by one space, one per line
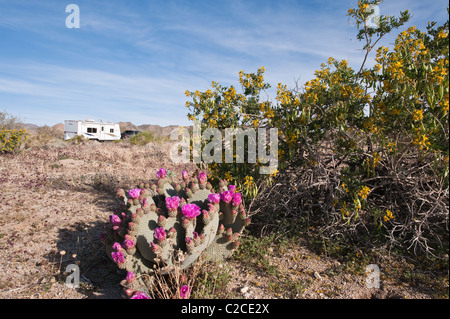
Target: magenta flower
237 199
214 198
185 291
202 178
117 246
155 247
184 175
226 196
188 240
160 234
232 188
140 295
134 193
130 277
190 211
162 173
118 257
128 244
172 202
115 220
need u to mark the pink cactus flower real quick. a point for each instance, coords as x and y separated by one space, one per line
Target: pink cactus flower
134 193
128 244
140 295
172 202
117 246
237 199
226 196
202 178
190 211
162 173
160 234
130 277
118 257
184 175
214 198
155 247
115 220
232 188
185 291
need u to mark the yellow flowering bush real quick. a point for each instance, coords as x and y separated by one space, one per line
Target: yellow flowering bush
360 142
12 137
11 140
224 107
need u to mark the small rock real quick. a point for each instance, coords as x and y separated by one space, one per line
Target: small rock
316 274
244 290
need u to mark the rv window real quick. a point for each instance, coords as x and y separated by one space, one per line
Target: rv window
92 130
111 130
103 128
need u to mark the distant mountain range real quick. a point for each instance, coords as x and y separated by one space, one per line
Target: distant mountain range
157 130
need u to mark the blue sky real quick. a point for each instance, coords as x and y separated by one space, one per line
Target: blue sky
133 60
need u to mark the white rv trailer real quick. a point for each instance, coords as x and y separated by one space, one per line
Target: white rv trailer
94 130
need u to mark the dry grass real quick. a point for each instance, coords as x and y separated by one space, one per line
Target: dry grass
58 198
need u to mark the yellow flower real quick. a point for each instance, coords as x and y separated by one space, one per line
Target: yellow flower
274 174
228 176
376 158
442 34
269 113
422 141
248 181
388 215
187 93
344 187
391 147
364 192
418 115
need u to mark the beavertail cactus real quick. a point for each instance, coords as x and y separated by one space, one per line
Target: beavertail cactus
170 223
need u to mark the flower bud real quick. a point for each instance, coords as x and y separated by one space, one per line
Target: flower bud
220 229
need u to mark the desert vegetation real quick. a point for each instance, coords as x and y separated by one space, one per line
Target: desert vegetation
362 179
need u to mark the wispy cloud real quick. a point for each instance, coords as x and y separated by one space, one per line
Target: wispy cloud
132 61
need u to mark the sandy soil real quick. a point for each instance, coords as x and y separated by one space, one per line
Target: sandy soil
54 203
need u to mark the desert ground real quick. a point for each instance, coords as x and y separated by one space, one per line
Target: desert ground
55 201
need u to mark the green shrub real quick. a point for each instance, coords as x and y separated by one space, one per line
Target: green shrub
12 140
142 138
364 154
12 135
